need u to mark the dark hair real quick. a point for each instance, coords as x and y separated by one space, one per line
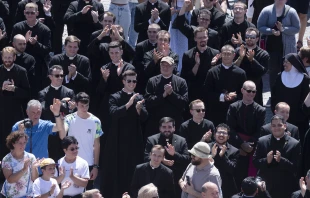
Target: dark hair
305 53
14 137
244 5
166 120
72 39
57 67
249 186
250 29
223 125
115 44
82 97
67 141
195 102
162 32
278 117
203 11
200 29
128 73
110 14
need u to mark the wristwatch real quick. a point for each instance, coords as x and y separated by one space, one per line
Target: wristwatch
96 166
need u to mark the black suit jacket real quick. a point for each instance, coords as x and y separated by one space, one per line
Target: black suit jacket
297 194
181 157
266 130
46 100
163 180
143 14
280 177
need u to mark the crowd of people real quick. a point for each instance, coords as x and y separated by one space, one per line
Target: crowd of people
154 98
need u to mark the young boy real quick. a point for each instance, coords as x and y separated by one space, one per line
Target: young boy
46 186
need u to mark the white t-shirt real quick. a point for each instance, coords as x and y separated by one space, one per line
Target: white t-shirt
41 186
80 169
85 131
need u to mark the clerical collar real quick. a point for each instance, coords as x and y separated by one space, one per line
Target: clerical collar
34 24
152 3
55 87
226 67
19 54
153 44
71 57
9 69
153 166
116 64
198 122
129 93
166 77
279 138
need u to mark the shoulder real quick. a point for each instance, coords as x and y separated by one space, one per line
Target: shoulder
259 107
178 79
58 56
20 68
141 44
94 118
238 70
66 89
185 124
267 9
165 169
236 104
208 122
82 57
141 166
214 51
264 138
163 4
81 161
292 140
180 138
232 148
212 32
116 95
154 137
154 78
266 126
70 117
215 69
141 5
190 51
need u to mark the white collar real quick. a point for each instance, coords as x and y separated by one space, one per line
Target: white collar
9 69
127 92
34 24
166 77
292 78
71 57
226 67
153 3
153 166
55 87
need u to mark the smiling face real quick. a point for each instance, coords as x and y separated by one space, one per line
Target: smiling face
284 111
221 135
49 170
277 128
239 10
130 83
72 48
156 157
115 54
202 39
287 65
8 59
34 113
204 20
198 111
72 150
167 129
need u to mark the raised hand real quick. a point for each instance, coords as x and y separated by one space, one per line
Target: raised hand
276 33
55 107
250 55
279 26
86 8
27 163
72 70
277 156
116 33
139 104
52 189
207 136
33 40
28 35
105 73
170 149
65 185
157 56
154 14
216 58
214 150
242 51
223 150
168 89
168 162
131 100
269 157
93 174
104 32
197 58
95 16
2 35
302 185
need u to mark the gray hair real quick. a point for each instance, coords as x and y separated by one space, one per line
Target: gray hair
148 191
34 103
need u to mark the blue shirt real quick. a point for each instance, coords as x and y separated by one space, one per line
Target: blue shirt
40 133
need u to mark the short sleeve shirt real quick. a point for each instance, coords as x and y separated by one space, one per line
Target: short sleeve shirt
41 186
23 187
85 131
40 133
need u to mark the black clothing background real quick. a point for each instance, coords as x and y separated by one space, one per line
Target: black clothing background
143 14
4 40
297 194
266 130
124 146
217 18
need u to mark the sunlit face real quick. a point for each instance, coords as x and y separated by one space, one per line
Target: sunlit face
20 44
72 150
49 170
198 111
57 77
248 92
202 39
115 54
162 41
130 83
204 20
239 10
287 65
277 128
166 69
34 114
72 48
156 157
251 38
167 129
227 57
107 21
212 192
221 136
82 108
195 160
8 59
20 144
284 111
151 33
31 14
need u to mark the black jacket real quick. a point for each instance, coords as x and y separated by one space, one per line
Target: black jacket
143 14
297 194
266 130
163 180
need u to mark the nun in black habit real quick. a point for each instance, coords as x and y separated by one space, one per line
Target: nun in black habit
292 86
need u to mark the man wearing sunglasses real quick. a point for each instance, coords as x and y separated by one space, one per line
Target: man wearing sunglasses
225 159
127 112
245 119
253 60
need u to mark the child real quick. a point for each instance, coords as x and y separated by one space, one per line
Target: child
46 186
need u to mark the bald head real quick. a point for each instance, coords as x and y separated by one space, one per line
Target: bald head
210 190
19 43
249 84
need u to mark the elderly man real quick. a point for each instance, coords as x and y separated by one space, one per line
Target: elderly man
200 170
210 190
166 96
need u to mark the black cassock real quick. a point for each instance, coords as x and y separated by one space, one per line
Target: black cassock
11 109
124 146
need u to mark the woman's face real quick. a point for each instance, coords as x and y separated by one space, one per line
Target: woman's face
20 144
287 65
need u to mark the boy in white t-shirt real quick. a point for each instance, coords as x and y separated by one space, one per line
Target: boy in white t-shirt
46 186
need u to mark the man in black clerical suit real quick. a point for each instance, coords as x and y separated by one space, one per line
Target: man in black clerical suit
254 61
282 109
222 86
245 119
176 154
14 91
4 16
82 18
3 34
38 37
151 11
204 18
154 172
217 16
127 112
141 48
225 159
46 97
165 96
304 184
151 59
197 128
276 158
196 63
76 67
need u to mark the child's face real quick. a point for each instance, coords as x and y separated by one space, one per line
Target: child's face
49 170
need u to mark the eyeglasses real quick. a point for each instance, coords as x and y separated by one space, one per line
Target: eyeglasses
199 110
204 19
58 75
30 12
226 54
249 91
73 149
224 133
250 37
132 81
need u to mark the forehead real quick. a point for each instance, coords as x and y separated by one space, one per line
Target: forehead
251 32
72 44
34 108
7 54
51 166
199 104
131 77
167 124
57 71
107 18
277 121
72 145
239 5
250 85
227 51
158 152
29 9
205 16
153 29
19 40
163 36
221 129
114 49
201 33
283 107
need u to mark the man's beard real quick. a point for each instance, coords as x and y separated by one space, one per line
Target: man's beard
196 162
167 134
8 64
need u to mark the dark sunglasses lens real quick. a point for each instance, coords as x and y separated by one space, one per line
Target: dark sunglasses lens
200 110
32 13
249 91
131 81
58 75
